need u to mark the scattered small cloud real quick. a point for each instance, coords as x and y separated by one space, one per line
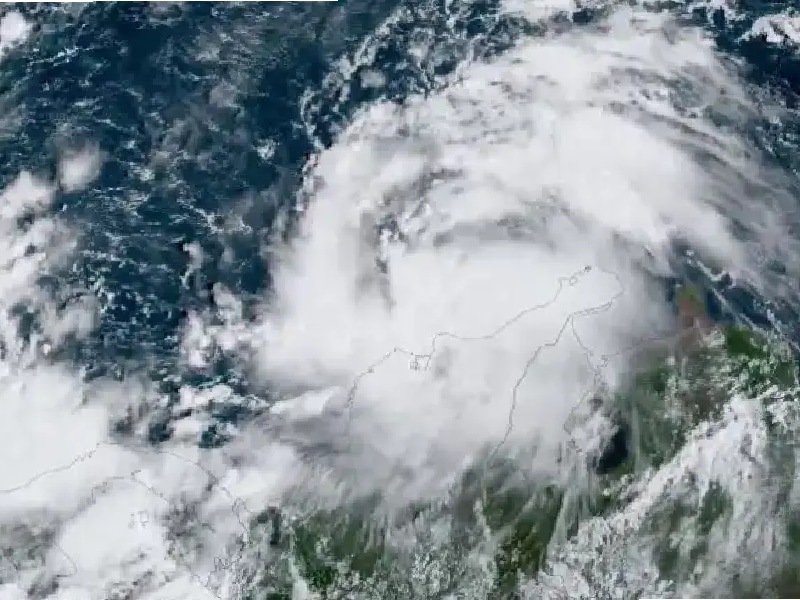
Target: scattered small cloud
76 170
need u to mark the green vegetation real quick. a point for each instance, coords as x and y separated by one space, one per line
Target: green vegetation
691 297
497 511
673 396
524 525
683 527
742 342
330 547
655 379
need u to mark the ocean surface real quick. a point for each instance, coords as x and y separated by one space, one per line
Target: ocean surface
226 229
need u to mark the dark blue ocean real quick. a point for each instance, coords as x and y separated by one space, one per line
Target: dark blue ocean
139 79
206 116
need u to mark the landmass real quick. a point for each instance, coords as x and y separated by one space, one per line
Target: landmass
684 387
501 529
